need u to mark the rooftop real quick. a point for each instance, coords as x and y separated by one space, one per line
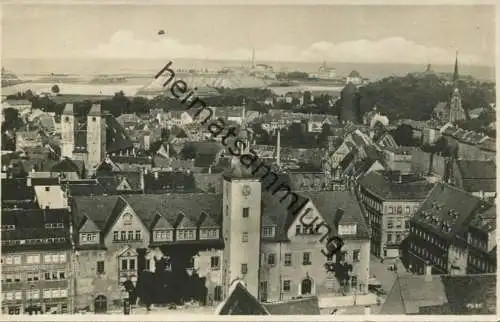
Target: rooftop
385 187
442 294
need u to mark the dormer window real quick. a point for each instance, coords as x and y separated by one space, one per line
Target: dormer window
89 238
268 232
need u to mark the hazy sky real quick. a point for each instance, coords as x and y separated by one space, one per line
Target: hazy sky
414 34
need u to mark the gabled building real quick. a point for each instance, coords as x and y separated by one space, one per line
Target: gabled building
246 232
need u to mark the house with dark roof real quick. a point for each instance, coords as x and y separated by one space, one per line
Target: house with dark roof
121 163
442 295
443 215
240 302
476 177
390 200
36 261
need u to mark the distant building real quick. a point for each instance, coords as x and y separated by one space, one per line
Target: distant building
91 138
354 77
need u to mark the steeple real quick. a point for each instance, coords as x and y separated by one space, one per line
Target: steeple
455 72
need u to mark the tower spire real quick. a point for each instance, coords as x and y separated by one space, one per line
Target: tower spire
455 72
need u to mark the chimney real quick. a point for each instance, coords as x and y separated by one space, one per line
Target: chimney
428 271
278 148
143 185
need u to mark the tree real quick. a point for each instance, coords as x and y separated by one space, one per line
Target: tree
55 89
326 131
12 120
403 135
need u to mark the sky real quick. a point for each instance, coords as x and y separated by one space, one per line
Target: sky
367 34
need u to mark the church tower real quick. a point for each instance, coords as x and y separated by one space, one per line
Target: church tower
241 227
96 137
457 112
67 132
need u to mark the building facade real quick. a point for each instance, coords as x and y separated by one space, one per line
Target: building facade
37 271
390 202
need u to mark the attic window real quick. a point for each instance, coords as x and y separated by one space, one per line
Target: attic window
47 188
93 119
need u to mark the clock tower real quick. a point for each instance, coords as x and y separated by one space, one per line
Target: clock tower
241 227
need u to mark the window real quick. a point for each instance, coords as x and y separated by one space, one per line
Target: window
398 224
407 209
115 236
306 258
47 188
407 224
32 276
123 235
33 259
286 285
100 267
137 235
244 268
355 255
268 232
390 210
215 262
288 259
244 237
297 229
130 235
124 264
389 238
398 237
246 212
400 209
17 260
132 264
271 259
390 224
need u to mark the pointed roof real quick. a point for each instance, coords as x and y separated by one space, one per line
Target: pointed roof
184 222
68 109
162 223
130 250
240 302
88 226
95 110
205 221
124 185
455 72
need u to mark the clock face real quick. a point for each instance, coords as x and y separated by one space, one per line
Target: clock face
246 190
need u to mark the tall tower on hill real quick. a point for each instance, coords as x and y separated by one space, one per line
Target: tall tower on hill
68 132
96 137
241 225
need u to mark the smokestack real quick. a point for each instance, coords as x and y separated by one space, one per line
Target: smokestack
278 148
146 142
428 272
